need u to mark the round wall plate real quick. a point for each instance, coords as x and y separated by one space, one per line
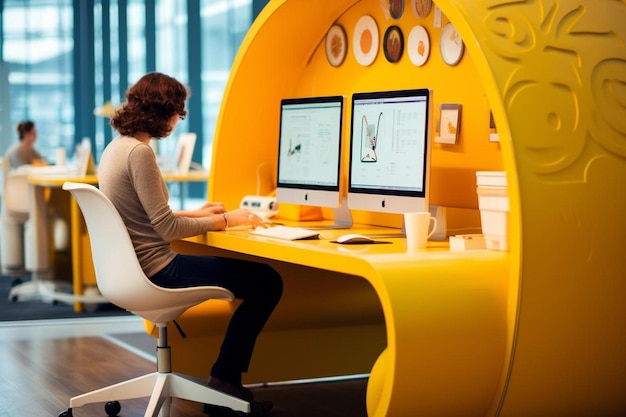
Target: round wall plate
336 45
396 8
365 40
393 44
451 45
421 8
418 45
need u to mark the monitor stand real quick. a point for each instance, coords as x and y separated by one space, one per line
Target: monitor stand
342 215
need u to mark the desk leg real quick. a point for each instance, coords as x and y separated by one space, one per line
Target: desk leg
37 246
77 257
182 191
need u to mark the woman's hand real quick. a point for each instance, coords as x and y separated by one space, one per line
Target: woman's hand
206 210
212 208
243 217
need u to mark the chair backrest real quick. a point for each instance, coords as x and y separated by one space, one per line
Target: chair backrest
15 193
119 275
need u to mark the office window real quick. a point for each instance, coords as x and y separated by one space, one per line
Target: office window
171 54
43 43
136 38
224 25
37 45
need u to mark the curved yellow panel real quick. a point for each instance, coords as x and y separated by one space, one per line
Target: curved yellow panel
555 72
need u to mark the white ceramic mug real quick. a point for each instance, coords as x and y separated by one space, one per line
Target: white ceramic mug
417 227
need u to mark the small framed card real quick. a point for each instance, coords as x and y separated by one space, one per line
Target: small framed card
449 123
493 130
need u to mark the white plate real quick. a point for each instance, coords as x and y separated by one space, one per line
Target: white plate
418 45
365 40
451 45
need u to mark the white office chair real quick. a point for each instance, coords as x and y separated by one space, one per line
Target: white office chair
14 212
122 281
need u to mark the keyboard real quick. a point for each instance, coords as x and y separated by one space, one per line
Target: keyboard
285 233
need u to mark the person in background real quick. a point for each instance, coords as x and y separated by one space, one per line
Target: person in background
130 177
24 152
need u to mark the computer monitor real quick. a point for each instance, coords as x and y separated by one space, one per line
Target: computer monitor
86 162
309 152
184 152
390 146
179 162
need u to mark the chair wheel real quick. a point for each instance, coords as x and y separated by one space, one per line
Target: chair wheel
112 408
66 413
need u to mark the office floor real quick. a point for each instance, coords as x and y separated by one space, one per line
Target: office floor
45 362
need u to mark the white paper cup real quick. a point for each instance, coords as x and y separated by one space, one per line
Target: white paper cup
60 157
417 228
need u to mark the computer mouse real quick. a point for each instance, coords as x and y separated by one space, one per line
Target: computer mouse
354 238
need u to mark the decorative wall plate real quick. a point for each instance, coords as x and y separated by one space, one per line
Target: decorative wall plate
451 45
418 45
393 44
396 8
421 8
365 40
336 45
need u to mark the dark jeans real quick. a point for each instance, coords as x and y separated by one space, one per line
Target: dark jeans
259 287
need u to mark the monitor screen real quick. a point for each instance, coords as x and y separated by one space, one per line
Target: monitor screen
309 152
184 152
390 151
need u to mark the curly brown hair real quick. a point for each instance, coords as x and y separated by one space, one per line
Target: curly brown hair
149 106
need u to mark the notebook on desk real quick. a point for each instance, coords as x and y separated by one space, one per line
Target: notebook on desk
285 233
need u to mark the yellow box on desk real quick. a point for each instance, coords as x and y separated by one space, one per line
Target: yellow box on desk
467 242
493 202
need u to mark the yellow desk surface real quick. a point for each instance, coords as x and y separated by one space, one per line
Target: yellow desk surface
445 315
58 180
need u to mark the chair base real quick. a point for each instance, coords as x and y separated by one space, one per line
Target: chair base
51 292
161 387
34 290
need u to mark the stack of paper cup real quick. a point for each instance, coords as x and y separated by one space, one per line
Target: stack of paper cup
493 202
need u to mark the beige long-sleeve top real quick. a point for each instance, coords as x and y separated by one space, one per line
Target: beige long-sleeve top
129 175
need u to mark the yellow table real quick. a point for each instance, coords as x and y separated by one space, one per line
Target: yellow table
83 273
444 319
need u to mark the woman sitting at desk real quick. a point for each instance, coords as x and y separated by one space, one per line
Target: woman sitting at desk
24 152
129 175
